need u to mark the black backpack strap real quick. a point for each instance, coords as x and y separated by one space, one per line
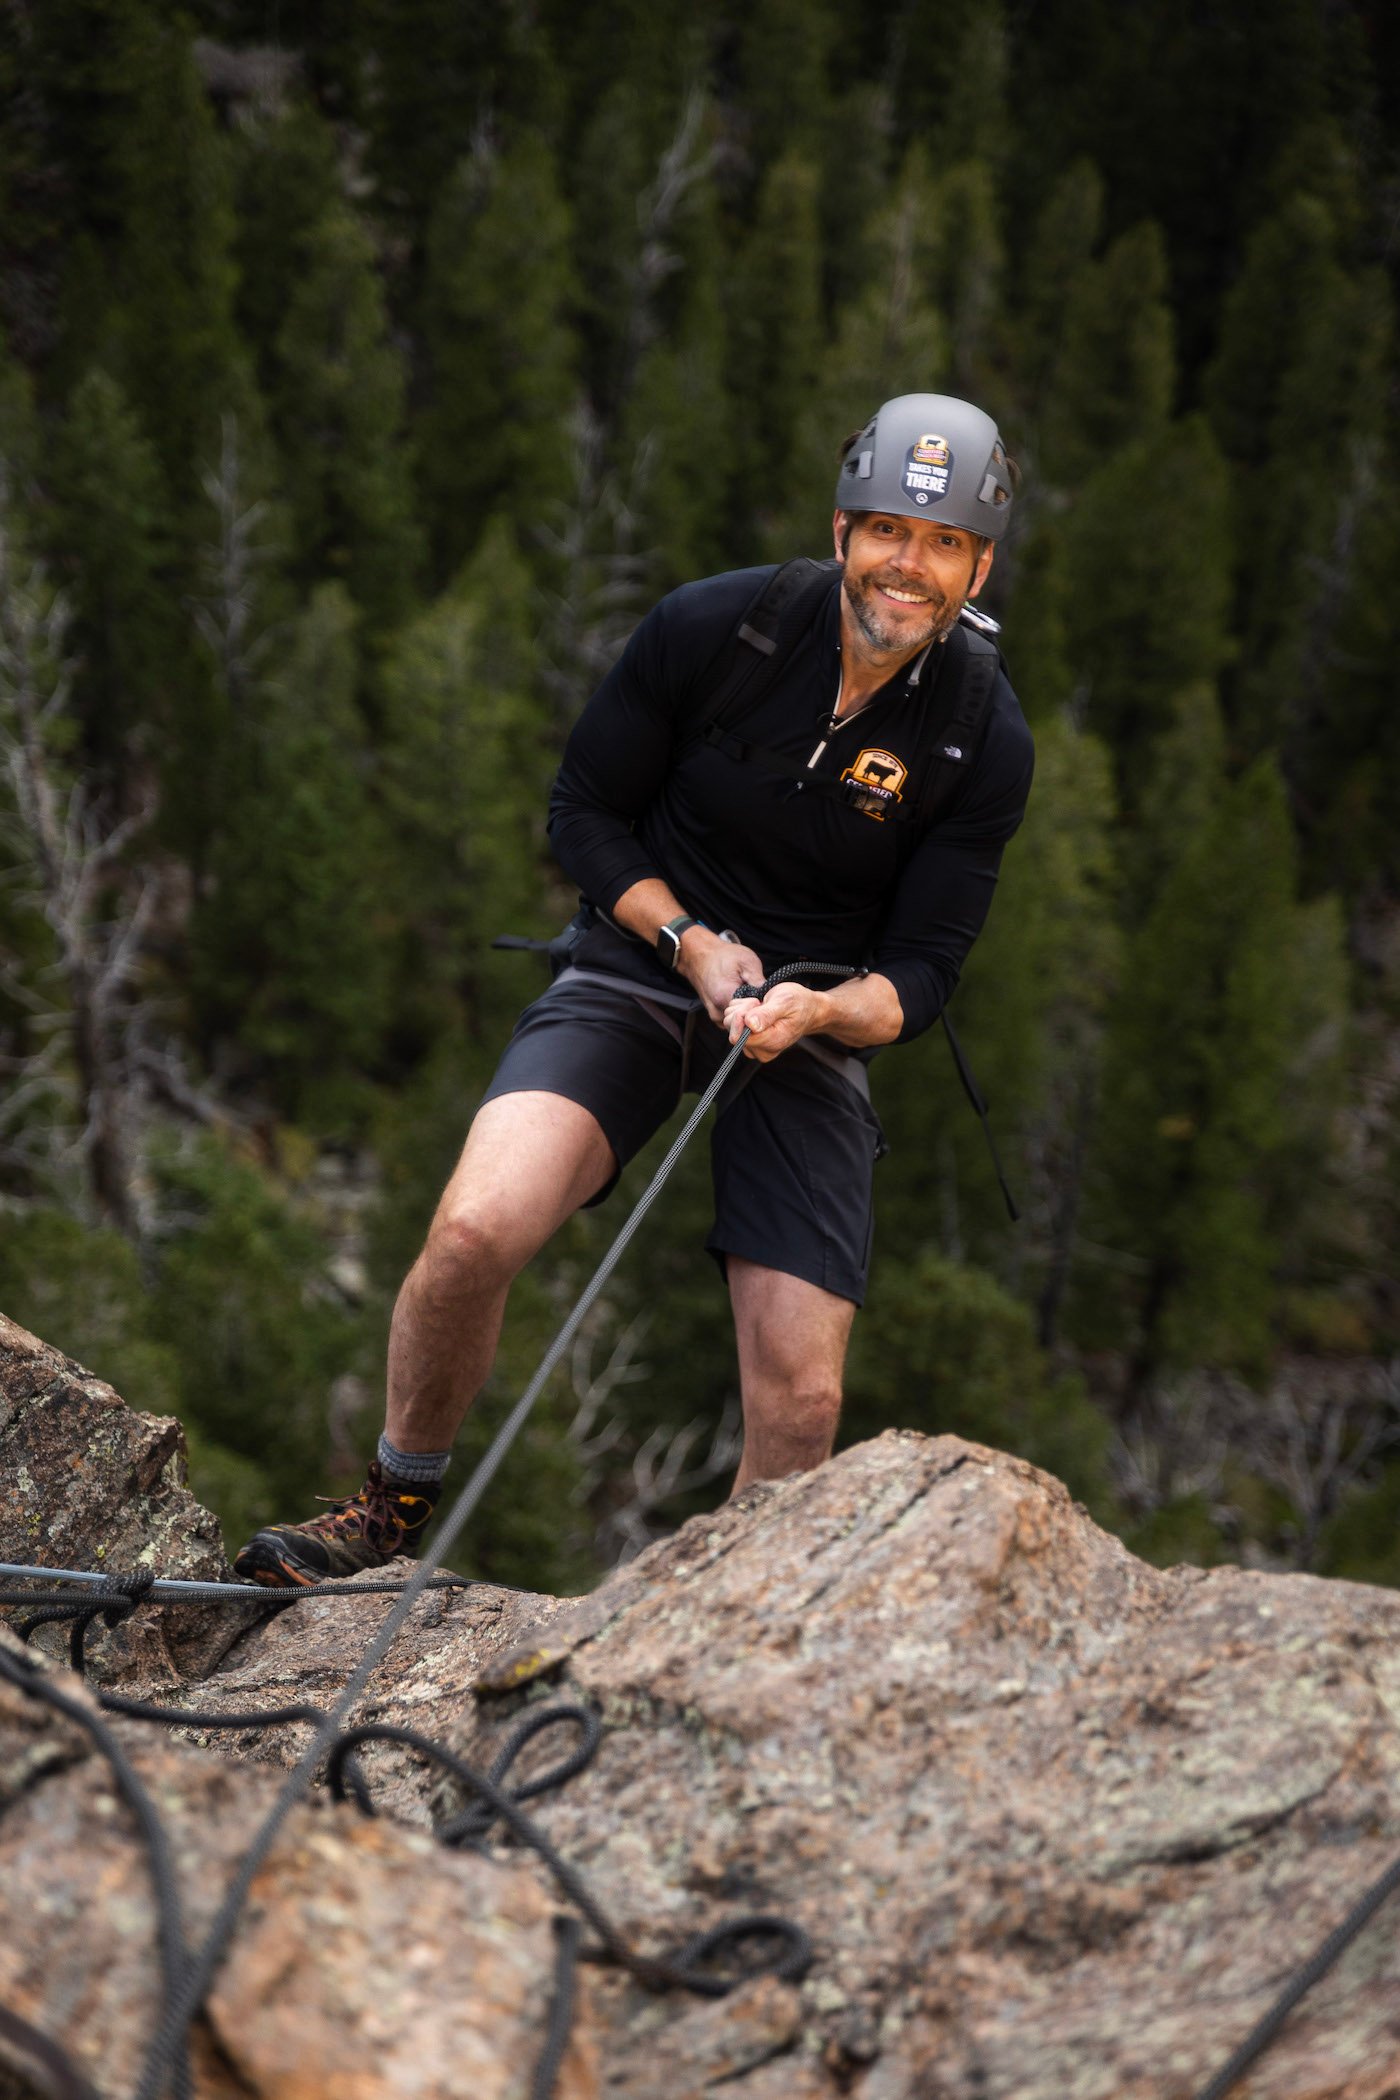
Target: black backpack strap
979 1103
968 677
797 586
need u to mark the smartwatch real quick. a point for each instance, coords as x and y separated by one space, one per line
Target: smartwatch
668 941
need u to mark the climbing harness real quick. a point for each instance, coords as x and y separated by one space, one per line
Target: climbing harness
960 698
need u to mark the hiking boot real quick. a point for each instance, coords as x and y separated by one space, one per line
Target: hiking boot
383 1522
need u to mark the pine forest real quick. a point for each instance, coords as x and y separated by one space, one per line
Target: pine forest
366 373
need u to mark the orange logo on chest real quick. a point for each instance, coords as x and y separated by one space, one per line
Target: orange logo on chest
873 783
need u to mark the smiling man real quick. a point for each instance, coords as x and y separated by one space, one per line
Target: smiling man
819 763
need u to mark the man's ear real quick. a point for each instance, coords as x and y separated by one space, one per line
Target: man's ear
839 523
982 570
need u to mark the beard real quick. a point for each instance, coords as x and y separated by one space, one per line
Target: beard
886 630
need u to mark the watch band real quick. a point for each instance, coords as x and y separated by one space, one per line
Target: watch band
668 941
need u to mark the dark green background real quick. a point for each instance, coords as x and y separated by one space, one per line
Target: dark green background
368 369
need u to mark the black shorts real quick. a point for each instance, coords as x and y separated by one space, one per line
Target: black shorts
793 1144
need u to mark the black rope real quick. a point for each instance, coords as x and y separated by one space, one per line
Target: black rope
186 2002
46 2067
116 1597
567 1934
27 1677
160 1591
470 1826
1312 1971
681 1969
268 1717
684 1968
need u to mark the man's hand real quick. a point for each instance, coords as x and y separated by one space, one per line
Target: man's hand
776 1021
716 968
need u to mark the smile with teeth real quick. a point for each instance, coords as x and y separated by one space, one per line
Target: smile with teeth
901 597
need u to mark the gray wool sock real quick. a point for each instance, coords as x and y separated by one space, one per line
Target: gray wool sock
414 1468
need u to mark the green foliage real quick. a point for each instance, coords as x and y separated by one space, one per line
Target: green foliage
289 939
1030 1013
1060 263
1111 381
502 352
580 299
889 339
466 774
676 428
435 74
338 411
1212 1073
776 335
785 54
172 276
946 1350
286 181
1361 1542
81 1288
19 428
1147 573
107 524
1301 377
241 1299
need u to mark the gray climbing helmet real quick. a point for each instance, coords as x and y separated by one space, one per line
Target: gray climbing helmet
930 456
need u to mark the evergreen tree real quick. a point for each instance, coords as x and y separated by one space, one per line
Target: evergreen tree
338 405
1112 382
107 525
785 62
437 77
289 942
503 355
1147 576
1298 397
1058 268
467 766
1211 1072
775 336
965 284
677 427
19 427
173 275
1030 1011
889 340
240 1298
285 183
950 81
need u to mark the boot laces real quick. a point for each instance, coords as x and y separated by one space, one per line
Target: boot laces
368 1513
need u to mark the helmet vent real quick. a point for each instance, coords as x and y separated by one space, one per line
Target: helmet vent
865 465
993 492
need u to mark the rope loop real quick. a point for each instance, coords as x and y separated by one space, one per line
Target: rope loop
684 1966
470 1825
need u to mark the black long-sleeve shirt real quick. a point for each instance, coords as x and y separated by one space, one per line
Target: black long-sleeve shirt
794 874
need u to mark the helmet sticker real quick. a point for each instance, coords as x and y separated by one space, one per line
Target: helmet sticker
927 466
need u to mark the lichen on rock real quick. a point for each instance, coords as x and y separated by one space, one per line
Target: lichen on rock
1058 1823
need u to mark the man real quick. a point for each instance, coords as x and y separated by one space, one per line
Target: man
706 858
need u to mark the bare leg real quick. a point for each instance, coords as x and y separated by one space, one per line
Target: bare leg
792 1348
530 1160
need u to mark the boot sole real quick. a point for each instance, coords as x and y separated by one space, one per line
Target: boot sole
273 1568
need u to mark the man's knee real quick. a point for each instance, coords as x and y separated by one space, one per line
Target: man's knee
803 1409
471 1245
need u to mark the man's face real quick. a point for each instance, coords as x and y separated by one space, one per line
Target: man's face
906 578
